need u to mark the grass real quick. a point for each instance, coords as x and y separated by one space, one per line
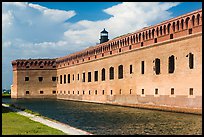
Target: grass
15 124
6 95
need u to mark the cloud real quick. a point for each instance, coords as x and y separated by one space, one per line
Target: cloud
33 31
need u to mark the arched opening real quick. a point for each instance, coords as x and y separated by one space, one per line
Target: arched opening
171 64
139 37
193 21
149 34
120 72
157 30
182 23
111 73
198 19
164 29
157 66
168 28
143 36
187 20
153 30
103 74
161 30
173 27
191 62
177 24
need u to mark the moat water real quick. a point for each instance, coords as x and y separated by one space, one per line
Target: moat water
103 119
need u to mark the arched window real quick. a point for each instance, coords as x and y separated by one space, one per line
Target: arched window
193 21
153 30
161 30
157 66
149 34
174 26
198 19
143 36
177 24
146 35
168 28
140 37
157 30
120 72
164 29
171 64
182 23
187 19
191 60
111 72
103 74
136 38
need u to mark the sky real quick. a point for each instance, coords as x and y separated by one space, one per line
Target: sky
56 29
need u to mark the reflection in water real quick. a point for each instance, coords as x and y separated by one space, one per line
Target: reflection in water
110 120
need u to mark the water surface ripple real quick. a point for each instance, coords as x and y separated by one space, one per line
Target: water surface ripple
114 120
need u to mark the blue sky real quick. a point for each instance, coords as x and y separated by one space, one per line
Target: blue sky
55 29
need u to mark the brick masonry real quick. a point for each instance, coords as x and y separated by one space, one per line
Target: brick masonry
177 37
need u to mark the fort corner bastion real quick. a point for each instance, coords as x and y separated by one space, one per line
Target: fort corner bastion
159 66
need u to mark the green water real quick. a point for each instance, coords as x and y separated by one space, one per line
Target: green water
114 120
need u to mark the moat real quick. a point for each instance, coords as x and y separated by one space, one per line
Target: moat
113 120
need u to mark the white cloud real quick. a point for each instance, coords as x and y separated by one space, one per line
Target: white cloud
33 31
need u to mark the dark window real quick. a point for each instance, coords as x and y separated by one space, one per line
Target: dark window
40 78
111 72
119 49
130 91
120 72
27 92
89 76
172 91
83 92
190 31
102 54
78 77
142 44
83 77
103 74
157 66
64 79
171 36
54 92
103 92
171 64
110 52
142 91
89 92
26 78
96 92
130 47
68 92
54 78
190 60
111 92
191 91
120 91
41 66
155 40
73 92
73 77
156 91
64 92
131 69
68 78
96 76
77 92
41 92
142 67
60 79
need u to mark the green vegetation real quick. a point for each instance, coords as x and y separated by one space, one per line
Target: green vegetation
6 95
15 124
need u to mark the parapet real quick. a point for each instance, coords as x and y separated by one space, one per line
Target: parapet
23 64
180 26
